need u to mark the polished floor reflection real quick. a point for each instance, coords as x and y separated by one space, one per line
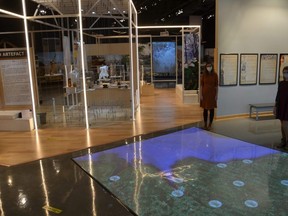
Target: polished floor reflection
193 172
59 186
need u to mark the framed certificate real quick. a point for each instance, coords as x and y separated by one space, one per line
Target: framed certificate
283 62
228 69
268 68
248 69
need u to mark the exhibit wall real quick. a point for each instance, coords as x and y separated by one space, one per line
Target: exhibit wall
249 27
107 49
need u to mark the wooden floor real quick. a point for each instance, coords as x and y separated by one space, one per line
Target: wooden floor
161 111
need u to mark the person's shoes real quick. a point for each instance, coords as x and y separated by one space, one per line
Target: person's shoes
281 145
209 127
205 126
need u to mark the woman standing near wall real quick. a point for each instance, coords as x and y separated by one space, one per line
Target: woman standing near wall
281 107
208 94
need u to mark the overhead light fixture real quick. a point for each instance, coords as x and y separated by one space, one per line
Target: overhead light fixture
179 12
43 12
210 16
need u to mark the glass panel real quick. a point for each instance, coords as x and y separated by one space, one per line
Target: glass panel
57 57
192 172
108 62
144 48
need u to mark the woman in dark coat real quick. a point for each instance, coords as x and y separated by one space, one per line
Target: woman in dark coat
208 94
281 107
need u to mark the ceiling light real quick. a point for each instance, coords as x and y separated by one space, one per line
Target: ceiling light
210 16
43 12
179 12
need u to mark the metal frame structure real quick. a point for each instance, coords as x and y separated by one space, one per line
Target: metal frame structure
58 15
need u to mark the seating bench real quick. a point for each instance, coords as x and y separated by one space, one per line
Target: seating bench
260 107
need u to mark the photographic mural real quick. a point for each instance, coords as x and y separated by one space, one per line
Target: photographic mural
164 57
191 66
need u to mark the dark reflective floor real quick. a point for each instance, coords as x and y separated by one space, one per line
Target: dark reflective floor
59 186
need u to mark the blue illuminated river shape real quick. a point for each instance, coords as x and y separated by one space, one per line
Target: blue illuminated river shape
164 151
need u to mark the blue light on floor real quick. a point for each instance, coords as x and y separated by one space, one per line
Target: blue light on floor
164 151
193 172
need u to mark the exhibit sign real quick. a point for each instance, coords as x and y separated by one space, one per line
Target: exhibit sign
15 81
268 68
228 69
248 69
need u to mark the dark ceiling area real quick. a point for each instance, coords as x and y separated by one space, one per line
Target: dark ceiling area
150 12
177 12
171 12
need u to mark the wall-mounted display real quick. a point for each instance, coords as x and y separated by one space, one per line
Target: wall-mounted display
191 66
283 62
228 69
268 68
14 76
248 69
164 57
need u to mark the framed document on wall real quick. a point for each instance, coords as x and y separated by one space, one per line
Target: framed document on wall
14 73
228 69
268 68
283 62
248 69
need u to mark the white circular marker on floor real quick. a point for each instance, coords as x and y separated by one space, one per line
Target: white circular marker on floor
177 193
114 178
284 182
238 183
251 203
246 161
215 203
221 165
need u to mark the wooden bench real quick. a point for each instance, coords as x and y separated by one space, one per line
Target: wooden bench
260 107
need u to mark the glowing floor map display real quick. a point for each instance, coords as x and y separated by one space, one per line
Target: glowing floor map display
193 172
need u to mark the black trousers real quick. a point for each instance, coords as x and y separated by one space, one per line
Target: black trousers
211 115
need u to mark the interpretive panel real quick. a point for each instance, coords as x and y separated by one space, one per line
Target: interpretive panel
248 69
228 69
15 78
268 68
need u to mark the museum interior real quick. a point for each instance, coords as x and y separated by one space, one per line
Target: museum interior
100 107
